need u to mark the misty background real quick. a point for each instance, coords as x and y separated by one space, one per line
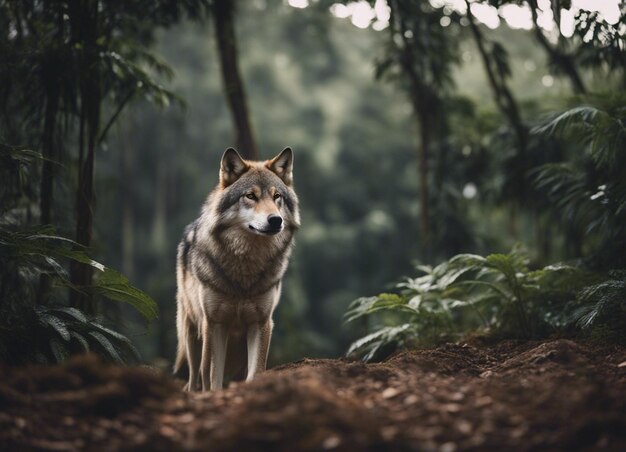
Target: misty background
310 75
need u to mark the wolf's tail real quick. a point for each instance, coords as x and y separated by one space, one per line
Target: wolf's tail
181 357
181 349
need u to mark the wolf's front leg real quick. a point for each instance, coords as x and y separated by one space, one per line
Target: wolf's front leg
205 361
193 351
259 336
219 339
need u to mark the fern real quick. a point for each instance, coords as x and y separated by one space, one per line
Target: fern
372 343
498 294
37 248
59 351
590 189
16 165
49 335
58 325
366 306
604 302
30 332
81 340
73 313
107 346
124 345
115 286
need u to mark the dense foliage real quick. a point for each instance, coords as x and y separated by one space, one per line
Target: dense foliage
29 329
418 139
498 294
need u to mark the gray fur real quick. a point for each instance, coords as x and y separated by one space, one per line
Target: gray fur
229 276
263 179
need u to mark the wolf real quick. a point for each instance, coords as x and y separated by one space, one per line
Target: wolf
230 264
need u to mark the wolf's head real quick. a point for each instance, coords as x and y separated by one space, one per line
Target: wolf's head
258 196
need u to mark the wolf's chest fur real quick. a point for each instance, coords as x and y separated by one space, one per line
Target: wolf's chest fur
241 267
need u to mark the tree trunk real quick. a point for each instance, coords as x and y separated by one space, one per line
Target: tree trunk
128 217
48 153
47 178
223 18
506 104
423 155
543 237
559 58
424 105
51 82
85 18
82 274
503 96
159 219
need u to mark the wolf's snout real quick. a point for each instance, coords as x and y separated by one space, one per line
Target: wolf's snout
275 221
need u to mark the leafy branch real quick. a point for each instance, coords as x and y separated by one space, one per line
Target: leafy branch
496 294
38 247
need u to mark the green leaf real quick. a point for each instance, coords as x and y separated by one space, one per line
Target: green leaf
119 337
502 263
370 305
80 339
107 346
377 339
114 286
72 312
499 290
55 323
59 351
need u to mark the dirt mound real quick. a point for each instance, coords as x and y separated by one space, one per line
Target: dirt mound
85 385
449 359
559 353
557 395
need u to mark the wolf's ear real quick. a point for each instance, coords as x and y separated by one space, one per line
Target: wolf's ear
231 167
282 165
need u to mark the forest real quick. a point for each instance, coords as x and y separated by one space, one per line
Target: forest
458 280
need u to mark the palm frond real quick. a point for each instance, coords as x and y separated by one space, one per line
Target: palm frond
600 300
372 343
49 319
369 305
38 247
51 334
106 345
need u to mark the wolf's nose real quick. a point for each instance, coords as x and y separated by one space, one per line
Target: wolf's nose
275 221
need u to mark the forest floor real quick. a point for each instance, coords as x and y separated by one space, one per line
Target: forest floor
555 395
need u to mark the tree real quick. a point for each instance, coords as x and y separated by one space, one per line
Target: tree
224 22
589 191
601 44
420 54
562 61
495 62
30 331
82 58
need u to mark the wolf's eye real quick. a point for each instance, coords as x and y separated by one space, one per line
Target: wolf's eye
251 196
277 196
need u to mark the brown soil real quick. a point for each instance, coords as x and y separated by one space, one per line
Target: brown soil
557 395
